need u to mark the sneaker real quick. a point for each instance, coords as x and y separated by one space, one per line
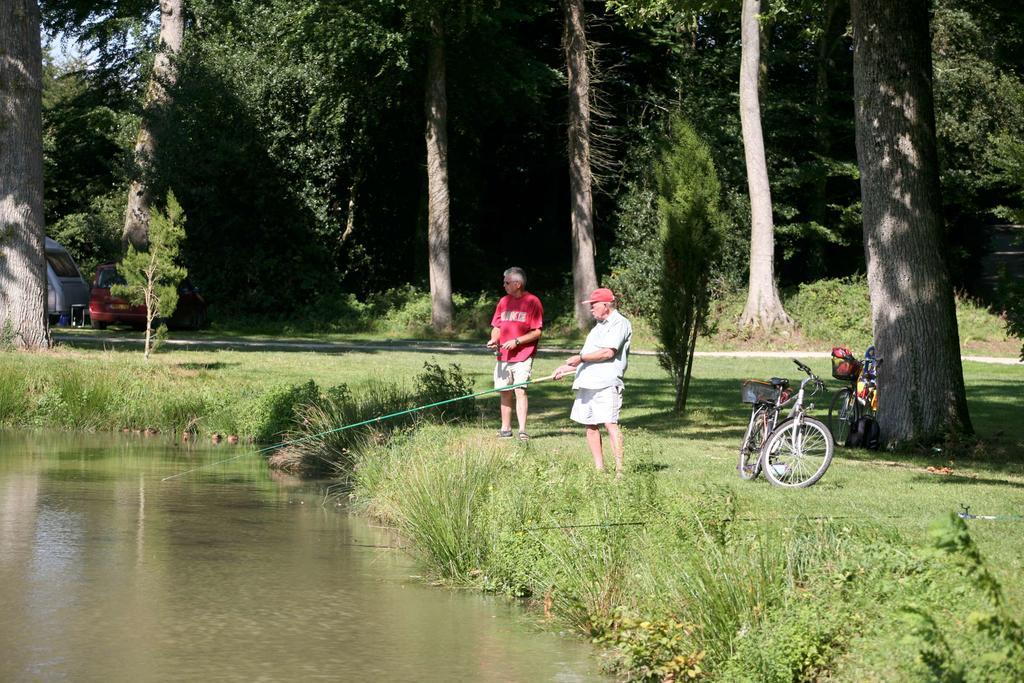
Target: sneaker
502 434
523 436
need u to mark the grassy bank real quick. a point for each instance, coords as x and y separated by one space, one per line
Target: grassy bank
700 574
683 570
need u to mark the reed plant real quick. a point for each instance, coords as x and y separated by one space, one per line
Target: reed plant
444 485
323 441
12 392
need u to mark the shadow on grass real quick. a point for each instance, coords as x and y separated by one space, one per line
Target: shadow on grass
219 365
965 480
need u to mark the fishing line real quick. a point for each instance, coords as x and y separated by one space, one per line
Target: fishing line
965 513
363 423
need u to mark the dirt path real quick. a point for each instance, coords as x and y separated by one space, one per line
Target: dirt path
115 340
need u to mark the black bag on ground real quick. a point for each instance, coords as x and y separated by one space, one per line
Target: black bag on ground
864 434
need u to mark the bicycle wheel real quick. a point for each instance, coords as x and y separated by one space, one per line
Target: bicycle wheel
797 456
844 411
750 451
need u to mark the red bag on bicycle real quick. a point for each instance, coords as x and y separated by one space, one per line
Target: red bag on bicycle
844 365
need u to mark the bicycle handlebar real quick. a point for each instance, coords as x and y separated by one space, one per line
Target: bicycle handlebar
818 384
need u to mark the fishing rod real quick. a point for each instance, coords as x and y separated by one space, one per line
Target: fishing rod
367 422
965 513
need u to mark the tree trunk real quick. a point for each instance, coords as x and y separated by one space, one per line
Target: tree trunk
921 385
584 273
22 229
165 75
436 106
763 308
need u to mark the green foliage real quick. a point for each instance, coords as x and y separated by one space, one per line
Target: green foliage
837 310
653 650
275 411
435 489
636 268
91 238
152 276
321 445
997 650
690 238
437 384
798 641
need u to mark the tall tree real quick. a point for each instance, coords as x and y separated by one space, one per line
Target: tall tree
574 42
912 305
763 307
690 233
22 230
165 75
436 109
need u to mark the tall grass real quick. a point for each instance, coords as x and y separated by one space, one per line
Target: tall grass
435 489
672 586
322 443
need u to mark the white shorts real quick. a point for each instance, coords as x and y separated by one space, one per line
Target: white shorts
506 373
597 406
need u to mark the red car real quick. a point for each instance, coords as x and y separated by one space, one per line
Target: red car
105 309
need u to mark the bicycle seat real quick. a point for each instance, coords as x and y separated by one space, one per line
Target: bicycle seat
779 382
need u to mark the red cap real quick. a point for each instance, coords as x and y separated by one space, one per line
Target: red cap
602 295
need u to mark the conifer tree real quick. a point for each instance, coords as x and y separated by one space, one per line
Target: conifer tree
690 235
152 276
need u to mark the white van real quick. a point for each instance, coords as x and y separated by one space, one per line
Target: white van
65 286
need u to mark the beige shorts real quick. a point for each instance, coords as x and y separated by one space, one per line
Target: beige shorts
597 406
506 373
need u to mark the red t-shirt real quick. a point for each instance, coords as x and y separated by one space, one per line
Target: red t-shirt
515 317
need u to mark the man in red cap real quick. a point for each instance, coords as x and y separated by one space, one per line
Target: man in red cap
515 329
599 369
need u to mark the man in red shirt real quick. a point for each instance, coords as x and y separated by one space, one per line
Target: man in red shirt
515 330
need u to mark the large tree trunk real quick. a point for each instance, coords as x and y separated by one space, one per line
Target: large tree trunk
436 106
165 75
22 230
763 308
921 385
584 273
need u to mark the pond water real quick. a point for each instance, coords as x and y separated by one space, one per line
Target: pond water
108 573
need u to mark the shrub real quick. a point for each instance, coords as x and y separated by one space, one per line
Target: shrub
435 384
273 413
995 650
797 642
326 438
837 310
653 649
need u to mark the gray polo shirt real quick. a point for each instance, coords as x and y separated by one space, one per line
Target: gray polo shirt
614 332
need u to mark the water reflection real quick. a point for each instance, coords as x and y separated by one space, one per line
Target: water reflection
106 573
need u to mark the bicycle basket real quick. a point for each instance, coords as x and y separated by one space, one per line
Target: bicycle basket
845 369
756 391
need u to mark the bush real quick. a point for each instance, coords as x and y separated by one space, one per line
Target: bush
272 414
326 436
653 649
436 384
836 311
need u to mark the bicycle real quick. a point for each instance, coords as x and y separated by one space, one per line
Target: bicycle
859 398
793 452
